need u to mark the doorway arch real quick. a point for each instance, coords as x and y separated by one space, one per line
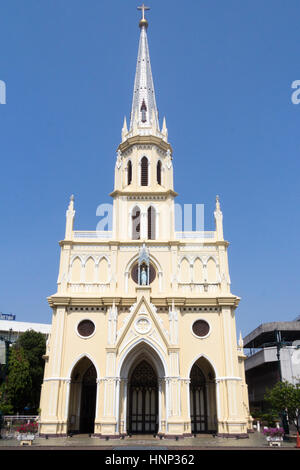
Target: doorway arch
202 397
142 372
83 395
143 399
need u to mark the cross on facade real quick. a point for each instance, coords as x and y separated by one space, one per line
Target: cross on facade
143 8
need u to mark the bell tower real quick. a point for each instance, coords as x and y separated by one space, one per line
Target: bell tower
143 336
143 193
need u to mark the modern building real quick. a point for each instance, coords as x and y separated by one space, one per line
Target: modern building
143 336
273 355
11 330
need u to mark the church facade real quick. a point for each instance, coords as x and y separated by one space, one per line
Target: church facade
143 336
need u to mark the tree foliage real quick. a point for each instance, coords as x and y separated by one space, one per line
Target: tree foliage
18 382
22 387
285 397
34 346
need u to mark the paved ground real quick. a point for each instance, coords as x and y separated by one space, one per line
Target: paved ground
255 441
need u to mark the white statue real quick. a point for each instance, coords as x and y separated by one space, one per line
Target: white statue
144 277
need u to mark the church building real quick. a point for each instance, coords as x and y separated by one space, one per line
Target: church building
143 337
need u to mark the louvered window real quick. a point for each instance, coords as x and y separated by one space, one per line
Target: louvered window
158 172
136 224
129 172
144 111
144 171
151 223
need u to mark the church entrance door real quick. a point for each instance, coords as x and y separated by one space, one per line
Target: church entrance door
143 400
198 401
88 401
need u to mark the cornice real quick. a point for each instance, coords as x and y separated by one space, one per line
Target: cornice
67 301
144 140
146 193
57 300
230 301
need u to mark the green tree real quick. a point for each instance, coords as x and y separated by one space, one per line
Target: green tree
34 347
285 396
18 382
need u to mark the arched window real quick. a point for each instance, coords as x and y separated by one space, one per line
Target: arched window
144 111
136 224
129 172
144 171
158 172
151 223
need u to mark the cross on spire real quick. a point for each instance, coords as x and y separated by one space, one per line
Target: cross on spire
143 8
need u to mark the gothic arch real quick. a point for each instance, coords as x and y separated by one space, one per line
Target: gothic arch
212 272
198 271
143 347
76 269
129 172
159 172
101 258
103 269
184 270
135 222
203 396
213 258
78 359
82 395
74 257
153 260
144 171
204 356
89 265
141 404
151 222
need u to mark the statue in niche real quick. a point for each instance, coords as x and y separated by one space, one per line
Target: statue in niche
144 277
143 266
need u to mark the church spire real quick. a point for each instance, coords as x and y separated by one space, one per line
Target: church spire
144 112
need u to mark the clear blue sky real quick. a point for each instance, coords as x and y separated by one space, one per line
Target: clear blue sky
222 72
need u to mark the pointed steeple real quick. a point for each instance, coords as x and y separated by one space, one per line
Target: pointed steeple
219 220
70 213
124 129
144 112
164 130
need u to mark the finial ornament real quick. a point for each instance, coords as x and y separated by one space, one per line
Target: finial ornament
143 21
241 342
71 203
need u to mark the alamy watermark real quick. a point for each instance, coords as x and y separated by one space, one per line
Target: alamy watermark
296 94
2 92
184 218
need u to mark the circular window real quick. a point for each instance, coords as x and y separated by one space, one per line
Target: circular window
135 273
86 328
201 328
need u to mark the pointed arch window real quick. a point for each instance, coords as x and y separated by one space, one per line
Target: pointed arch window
136 223
144 111
151 223
129 172
144 171
158 172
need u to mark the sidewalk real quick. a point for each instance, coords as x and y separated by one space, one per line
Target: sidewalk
81 441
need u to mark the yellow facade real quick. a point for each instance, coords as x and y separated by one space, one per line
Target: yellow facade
155 354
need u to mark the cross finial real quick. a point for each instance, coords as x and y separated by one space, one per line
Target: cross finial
143 8
143 21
